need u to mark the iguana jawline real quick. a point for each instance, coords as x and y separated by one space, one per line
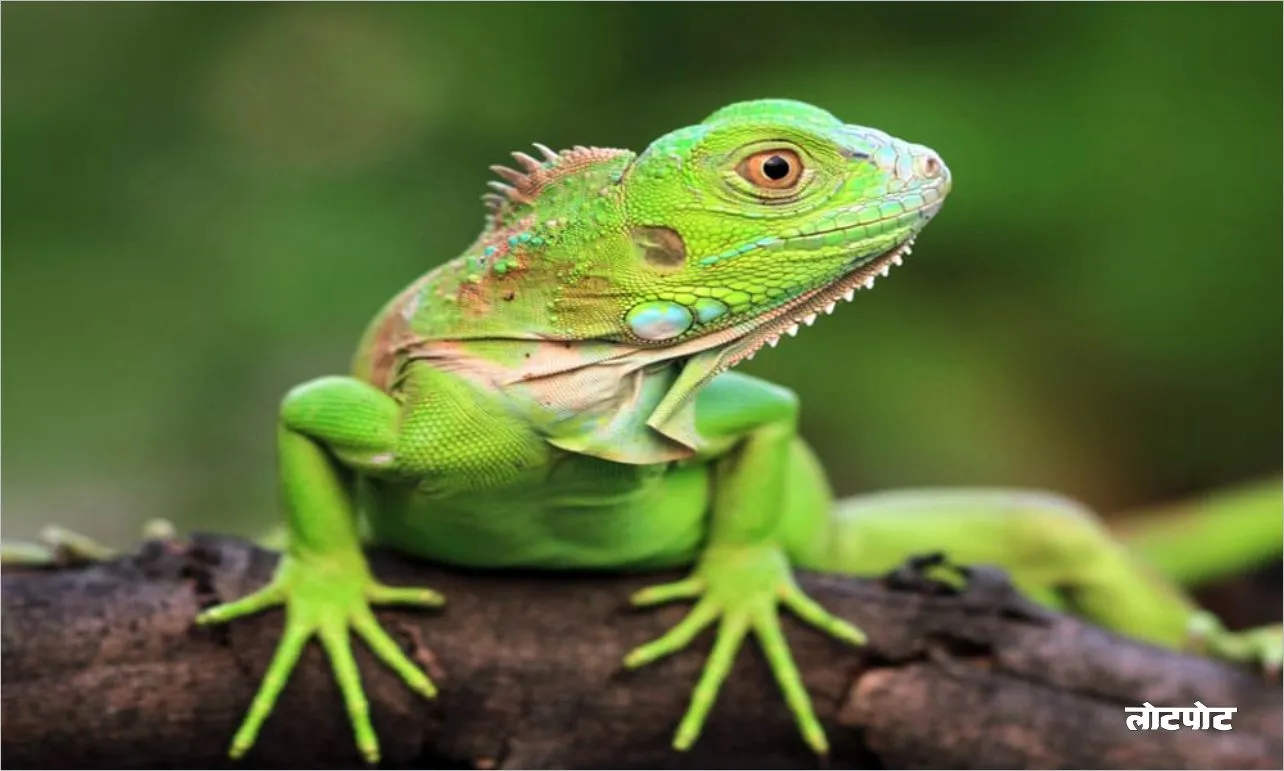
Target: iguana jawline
786 319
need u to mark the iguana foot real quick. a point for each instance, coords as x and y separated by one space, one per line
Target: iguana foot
740 586
58 546
1262 646
26 554
327 599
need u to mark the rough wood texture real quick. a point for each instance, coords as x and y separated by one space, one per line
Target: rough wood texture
103 668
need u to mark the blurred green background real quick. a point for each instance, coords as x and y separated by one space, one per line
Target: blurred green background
204 203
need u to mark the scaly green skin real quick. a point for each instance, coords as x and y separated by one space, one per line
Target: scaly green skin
558 397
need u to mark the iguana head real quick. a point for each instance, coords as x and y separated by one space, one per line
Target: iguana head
762 216
726 234
744 225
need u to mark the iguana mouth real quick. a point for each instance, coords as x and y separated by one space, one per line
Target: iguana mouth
804 309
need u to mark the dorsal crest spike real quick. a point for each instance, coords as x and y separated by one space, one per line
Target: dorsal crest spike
511 175
544 150
527 162
523 187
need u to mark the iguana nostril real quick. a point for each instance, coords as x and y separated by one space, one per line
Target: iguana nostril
928 165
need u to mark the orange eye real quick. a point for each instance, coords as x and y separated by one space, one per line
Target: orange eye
772 169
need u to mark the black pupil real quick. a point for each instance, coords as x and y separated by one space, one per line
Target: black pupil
775 167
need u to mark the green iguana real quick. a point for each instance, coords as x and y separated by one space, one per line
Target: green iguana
560 396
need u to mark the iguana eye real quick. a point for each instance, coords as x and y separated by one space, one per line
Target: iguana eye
772 169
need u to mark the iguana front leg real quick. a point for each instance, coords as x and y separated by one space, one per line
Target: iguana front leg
329 428
743 573
438 433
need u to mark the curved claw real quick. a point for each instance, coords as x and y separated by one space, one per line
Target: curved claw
810 611
278 672
677 638
268 597
379 594
731 632
678 590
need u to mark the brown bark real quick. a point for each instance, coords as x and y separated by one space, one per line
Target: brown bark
103 668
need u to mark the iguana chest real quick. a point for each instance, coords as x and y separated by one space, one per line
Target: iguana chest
583 512
499 470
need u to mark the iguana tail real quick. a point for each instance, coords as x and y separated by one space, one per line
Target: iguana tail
1222 533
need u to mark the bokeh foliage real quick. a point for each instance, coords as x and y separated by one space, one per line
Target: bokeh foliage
205 202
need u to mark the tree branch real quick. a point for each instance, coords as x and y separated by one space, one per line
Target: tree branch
103 668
